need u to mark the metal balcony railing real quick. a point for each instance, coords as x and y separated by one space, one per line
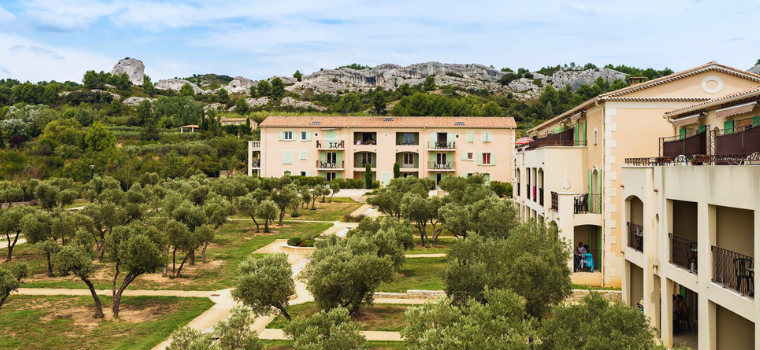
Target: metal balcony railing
256 163
555 201
683 252
442 145
734 271
329 165
436 165
587 203
635 236
331 144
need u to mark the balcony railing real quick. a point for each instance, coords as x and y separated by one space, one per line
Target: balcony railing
256 163
683 252
734 271
407 166
728 159
518 189
442 145
635 237
555 201
587 203
527 190
329 165
331 144
690 144
436 165
361 165
255 144
563 138
592 263
744 140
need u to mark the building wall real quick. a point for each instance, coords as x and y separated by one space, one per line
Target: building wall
735 229
734 332
385 150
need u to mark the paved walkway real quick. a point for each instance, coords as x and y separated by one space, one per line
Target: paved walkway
279 334
4 244
437 255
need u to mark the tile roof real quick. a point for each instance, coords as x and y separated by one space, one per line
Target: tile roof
651 83
390 122
739 95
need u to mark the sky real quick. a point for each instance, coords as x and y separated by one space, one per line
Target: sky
61 39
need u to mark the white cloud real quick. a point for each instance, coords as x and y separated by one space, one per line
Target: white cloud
25 59
6 16
577 9
65 21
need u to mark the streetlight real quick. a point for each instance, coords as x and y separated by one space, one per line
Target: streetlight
92 171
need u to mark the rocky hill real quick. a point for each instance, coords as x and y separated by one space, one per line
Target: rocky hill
755 69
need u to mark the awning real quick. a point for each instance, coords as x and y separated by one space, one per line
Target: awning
692 119
734 110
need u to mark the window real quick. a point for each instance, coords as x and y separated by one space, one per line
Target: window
486 136
408 139
303 173
288 136
286 173
596 136
331 176
408 158
366 158
486 158
332 157
470 155
303 135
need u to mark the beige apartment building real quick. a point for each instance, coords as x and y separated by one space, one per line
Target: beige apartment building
692 214
341 147
570 175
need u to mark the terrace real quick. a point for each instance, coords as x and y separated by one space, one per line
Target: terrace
331 144
564 138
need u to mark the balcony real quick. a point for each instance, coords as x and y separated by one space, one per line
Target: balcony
694 143
256 164
441 166
683 252
365 138
337 165
635 237
564 138
541 196
362 165
442 146
331 144
254 145
555 201
407 139
737 140
733 271
403 166
587 203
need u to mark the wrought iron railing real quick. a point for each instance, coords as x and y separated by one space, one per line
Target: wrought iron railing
635 237
738 140
442 145
256 163
733 270
331 144
541 196
434 164
363 164
683 252
582 263
329 165
555 201
518 189
587 203
727 159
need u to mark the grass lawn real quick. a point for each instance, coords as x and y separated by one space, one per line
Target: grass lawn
441 246
235 241
418 273
377 317
334 211
65 322
379 345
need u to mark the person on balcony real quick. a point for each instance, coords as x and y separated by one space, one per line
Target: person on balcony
681 313
580 256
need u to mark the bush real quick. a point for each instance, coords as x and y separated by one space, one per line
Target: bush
502 189
294 241
351 218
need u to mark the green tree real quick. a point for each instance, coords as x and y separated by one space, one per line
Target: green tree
603 325
267 210
346 273
368 176
297 75
349 103
174 165
98 138
148 86
187 90
422 211
543 278
334 188
10 225
326 330
84 114
242 107
501 322
283 197
223 95
233 333
429 83
378 102
248 205
263 88
77 260
492 109
278 88
265 283
10 279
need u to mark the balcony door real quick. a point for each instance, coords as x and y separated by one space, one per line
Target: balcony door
366 158
441 158
408 160
332 157
442 138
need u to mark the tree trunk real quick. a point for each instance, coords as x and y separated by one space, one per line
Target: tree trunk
50 265
115 277
117 296
2 301
255 222
192 258
266 226
98 305
283 311
174 259
11 245
203 252
179 271
282 215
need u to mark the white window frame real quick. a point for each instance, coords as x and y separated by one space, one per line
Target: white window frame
285 135
303 135
470 156
404 159
303 173
484 159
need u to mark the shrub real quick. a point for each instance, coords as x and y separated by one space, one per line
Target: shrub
294 241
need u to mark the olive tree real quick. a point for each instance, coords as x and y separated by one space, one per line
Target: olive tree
77 260
10 279
233 333
326 330
265 284
283 197
421 212
10 225
248 205
267 210
37 230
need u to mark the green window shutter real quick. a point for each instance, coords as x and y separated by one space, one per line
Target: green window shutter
584 130
322 156
599 182
487 177
416 160
729 126
400 158
493 158
308 173
282 135
399 138
433 138
480 158
590 184
702 128
470 136
755 121
331 135
682 132
464 155
308 136
340 175
287 157
339 157
303 154
450 137
577 131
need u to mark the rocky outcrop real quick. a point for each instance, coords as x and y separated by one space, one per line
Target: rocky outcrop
291 102
115 96
134 68
578 76
257 102
217 106
239 85
755 69
176 85
134 101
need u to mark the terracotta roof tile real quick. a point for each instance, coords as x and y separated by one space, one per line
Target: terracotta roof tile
390 122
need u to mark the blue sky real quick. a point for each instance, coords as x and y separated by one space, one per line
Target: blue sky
61 39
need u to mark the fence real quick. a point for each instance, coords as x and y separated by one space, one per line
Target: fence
733 270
